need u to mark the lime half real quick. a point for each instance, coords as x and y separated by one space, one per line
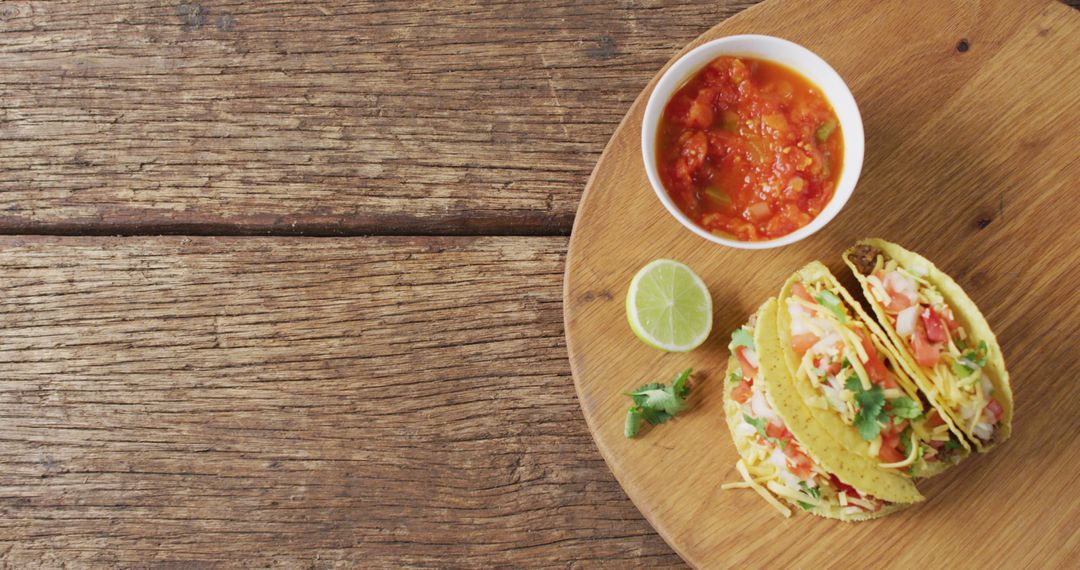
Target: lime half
669 307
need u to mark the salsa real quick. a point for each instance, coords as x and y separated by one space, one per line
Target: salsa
749 149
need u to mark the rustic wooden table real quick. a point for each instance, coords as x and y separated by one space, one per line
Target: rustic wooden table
281 282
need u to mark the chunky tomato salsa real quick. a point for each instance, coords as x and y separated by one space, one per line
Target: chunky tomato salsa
749 149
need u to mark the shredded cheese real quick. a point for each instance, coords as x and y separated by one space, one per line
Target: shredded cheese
741 468
861 503
843 498
861 373
785 491
874 447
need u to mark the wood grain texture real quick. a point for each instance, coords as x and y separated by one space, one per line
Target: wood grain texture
227 117
256 402
971 160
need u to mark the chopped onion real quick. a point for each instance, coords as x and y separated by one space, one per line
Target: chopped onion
983 430
834 398
905 321
751 356
778 459
825 344
745 430
901 284
760 406
987 387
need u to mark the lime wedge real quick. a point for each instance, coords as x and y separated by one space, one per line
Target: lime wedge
669 307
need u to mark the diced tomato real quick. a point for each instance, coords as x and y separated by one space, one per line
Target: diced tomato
748 370
741 393
937 444
834 368
950 319
799 290
801 343
897 303
995 408
799 463
890 452
894 429
773 430
935 419
935 330
926 353
841 486
875 366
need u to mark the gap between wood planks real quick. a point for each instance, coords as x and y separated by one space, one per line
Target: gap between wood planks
459 226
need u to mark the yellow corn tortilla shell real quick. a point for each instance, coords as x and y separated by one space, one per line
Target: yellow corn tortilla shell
733 413
829 420
966 313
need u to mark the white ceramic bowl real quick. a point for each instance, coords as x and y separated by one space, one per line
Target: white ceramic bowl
780 51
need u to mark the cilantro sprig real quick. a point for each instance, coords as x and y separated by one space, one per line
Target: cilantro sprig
657 403
872 410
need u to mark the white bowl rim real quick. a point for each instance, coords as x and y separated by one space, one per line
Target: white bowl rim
834 89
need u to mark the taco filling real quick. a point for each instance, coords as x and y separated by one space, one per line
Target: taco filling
772 458
856 380
940 345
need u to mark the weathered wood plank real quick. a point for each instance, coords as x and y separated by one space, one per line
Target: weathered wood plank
222 116
384 401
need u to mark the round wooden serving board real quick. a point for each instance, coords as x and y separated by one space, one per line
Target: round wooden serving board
972 111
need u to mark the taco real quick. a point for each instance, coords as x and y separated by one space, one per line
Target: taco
941 337
783 452
844 367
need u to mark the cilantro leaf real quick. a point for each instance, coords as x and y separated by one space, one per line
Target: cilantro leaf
960 344
853 384
633 423
654 417
656 403
734 377
952 443
812 491
830 301
977 358
741 337
871 403
678 384
758 423
904 407
961 369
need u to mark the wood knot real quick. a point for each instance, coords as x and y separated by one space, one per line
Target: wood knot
606 48
963 45
226 23
983 221
192 15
